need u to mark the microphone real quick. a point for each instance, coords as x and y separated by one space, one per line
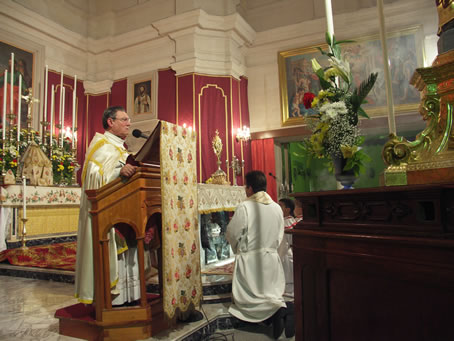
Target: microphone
137 133
271 174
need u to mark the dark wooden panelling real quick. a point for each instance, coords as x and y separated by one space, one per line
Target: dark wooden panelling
375 264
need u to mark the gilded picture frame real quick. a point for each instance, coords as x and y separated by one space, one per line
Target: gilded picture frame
405 52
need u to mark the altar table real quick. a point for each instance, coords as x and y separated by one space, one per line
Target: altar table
51 211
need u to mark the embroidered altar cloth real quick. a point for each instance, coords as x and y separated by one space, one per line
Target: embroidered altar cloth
216 198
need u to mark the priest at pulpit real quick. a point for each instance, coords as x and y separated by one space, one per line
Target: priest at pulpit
105 161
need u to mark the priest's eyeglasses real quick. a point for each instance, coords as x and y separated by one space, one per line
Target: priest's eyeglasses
123 120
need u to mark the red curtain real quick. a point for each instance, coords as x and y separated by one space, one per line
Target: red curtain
212 101
118 94
167 95
263 160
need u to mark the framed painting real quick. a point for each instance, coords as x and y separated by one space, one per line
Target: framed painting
405 53
142 103
142 97
23 65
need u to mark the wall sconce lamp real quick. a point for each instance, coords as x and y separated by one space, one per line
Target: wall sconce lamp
243 134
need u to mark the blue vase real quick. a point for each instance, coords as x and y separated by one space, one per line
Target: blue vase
346 178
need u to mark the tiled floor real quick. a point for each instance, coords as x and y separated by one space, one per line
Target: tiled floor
28 305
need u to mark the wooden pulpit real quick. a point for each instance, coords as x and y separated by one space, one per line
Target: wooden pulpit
129 205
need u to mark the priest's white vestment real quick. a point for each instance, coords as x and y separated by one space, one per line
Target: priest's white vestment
104 159
255 233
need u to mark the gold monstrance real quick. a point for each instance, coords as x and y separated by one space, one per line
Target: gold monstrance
218 177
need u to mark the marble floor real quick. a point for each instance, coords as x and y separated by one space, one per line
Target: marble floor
28 305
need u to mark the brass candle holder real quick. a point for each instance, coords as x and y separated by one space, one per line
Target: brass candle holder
24 232
237 167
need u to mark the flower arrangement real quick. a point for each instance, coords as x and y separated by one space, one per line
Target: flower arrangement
10 153
63 160
335 131
63 163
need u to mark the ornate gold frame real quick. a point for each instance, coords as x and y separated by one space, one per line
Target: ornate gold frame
296 56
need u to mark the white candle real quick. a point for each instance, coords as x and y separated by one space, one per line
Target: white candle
52 101
12 83
19 102
61 95
24 196
5 84
329 18
74 109
45 116
62 119
389 90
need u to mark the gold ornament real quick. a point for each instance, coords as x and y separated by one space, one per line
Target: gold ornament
218 177
445 10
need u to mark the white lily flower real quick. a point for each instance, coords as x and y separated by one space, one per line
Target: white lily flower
315 65
343 67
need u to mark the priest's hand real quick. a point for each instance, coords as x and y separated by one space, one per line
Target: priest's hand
128 170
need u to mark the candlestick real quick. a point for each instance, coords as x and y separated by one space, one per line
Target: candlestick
61 97
74 110
19 103
24 196
12 83
389 90
329 18
45 118
62 119
5 83
24 232
52 101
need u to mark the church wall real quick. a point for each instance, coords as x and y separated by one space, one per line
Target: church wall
262 61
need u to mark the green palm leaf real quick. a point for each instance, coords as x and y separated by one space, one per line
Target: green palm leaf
360 93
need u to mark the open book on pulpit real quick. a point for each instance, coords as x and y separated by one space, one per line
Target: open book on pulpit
148 155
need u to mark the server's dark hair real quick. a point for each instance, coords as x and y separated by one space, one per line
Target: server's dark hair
256 180
289 203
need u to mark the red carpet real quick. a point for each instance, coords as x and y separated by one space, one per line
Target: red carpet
56 256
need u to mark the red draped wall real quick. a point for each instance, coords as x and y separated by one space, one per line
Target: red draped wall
208 103
118 93
212 103
167 95
204 102
263 160
243 119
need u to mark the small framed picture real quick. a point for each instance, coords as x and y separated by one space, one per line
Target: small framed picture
142 97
